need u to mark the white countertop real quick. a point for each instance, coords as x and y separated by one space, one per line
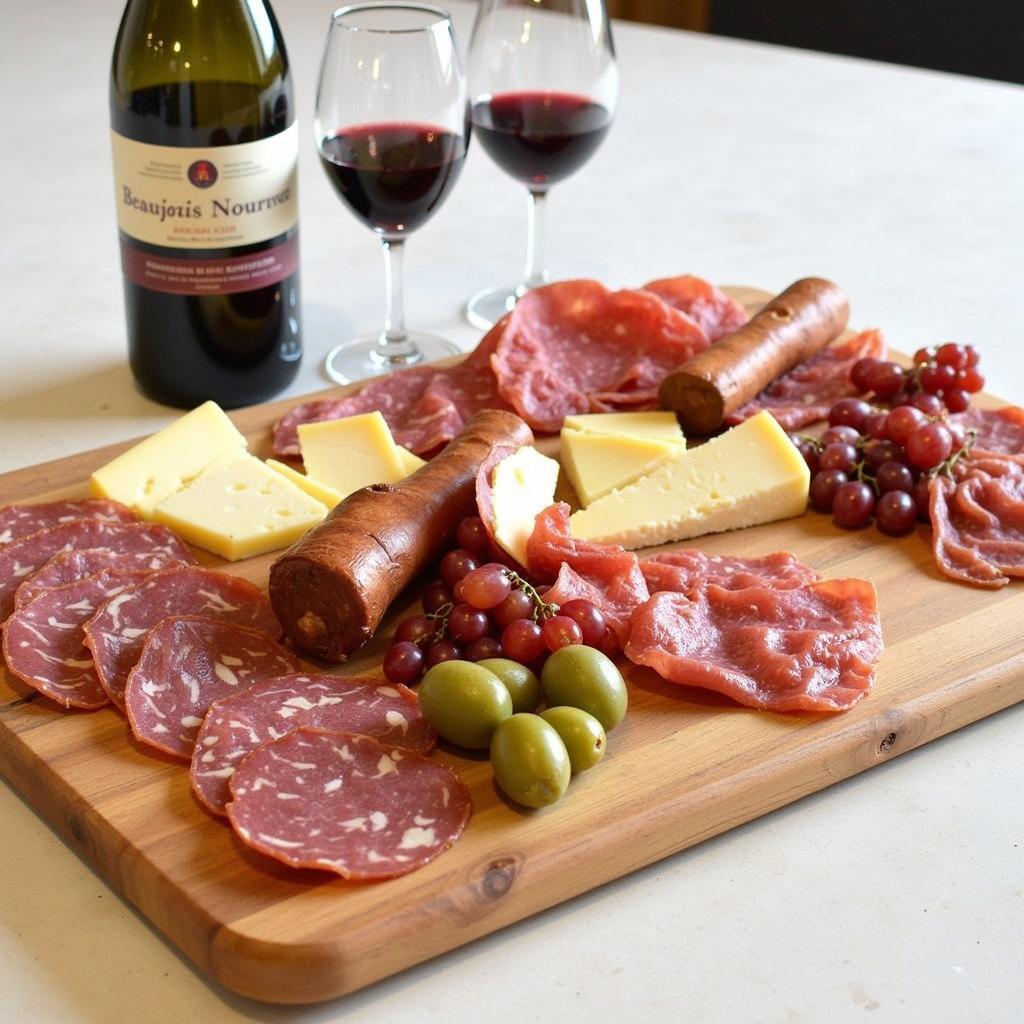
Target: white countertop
894 896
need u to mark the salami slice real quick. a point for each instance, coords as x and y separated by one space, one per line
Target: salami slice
76 565
686 569
17 521
117 632
23 557
996 431
345 803
236 726
44 643
186 664
808 391
716 313
809 648
575 347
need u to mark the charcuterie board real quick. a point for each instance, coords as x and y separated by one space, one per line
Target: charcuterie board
684 766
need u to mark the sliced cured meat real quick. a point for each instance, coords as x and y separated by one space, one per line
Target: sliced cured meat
608 575
808 391
685 569
425 407
117 632
17 521
996 431
76 565
345 803
978 521
575 347
809 648
186 664
23 557
716 313
236 726
44 644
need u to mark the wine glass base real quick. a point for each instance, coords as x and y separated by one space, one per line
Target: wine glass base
359 358
486 308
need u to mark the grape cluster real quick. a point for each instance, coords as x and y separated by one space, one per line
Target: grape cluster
877 462
479 609
942 378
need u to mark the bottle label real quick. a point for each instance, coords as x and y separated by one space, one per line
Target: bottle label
214 197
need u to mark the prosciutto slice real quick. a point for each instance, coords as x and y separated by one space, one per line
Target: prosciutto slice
809 648
808 391
686 569
996 431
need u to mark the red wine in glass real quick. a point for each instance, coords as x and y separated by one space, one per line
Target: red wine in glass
540 137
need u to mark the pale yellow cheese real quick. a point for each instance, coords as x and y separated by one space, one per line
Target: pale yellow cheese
238 507
662 425
351 453
599 463
410 461
522 486
146 474
321 492
749 475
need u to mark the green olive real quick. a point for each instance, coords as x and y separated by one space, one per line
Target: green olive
531 764
523 686
464 702
583 677
582 734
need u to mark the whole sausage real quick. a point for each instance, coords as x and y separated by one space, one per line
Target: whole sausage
331 589
791 328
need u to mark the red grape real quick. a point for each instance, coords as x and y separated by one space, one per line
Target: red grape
849 412
951 354
456 564
970 380
588 617
936 377
471 535
403 662
853 504
958 432
609 644
435 597
922 497
808 451
901 421
466 624
922 355
929 445
973 355
415 629
485 647
894 476
486 587
841 434
956 399
896 512
561 631
824 486
874 426
839 456
878 452
517 605
886 378
930 405
443 650
523 641
860 373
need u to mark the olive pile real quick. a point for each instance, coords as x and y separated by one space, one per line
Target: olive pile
491 705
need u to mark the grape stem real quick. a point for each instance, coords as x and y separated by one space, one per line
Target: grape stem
442 613
541 609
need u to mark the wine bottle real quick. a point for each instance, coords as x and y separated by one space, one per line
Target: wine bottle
205 158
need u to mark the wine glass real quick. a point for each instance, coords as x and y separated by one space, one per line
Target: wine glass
544 84
392 127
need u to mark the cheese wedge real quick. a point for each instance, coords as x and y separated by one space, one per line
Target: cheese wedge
599 463
749 475
351 453
522 486
238 507
662 425
321 492
410 461
146 474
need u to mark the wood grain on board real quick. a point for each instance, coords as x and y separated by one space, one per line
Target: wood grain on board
685 765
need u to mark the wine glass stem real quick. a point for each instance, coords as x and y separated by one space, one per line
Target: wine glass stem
536 272
395 345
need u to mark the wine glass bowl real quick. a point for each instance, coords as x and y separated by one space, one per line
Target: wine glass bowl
544 86
392 128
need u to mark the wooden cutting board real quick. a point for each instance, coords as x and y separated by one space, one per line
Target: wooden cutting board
684 766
